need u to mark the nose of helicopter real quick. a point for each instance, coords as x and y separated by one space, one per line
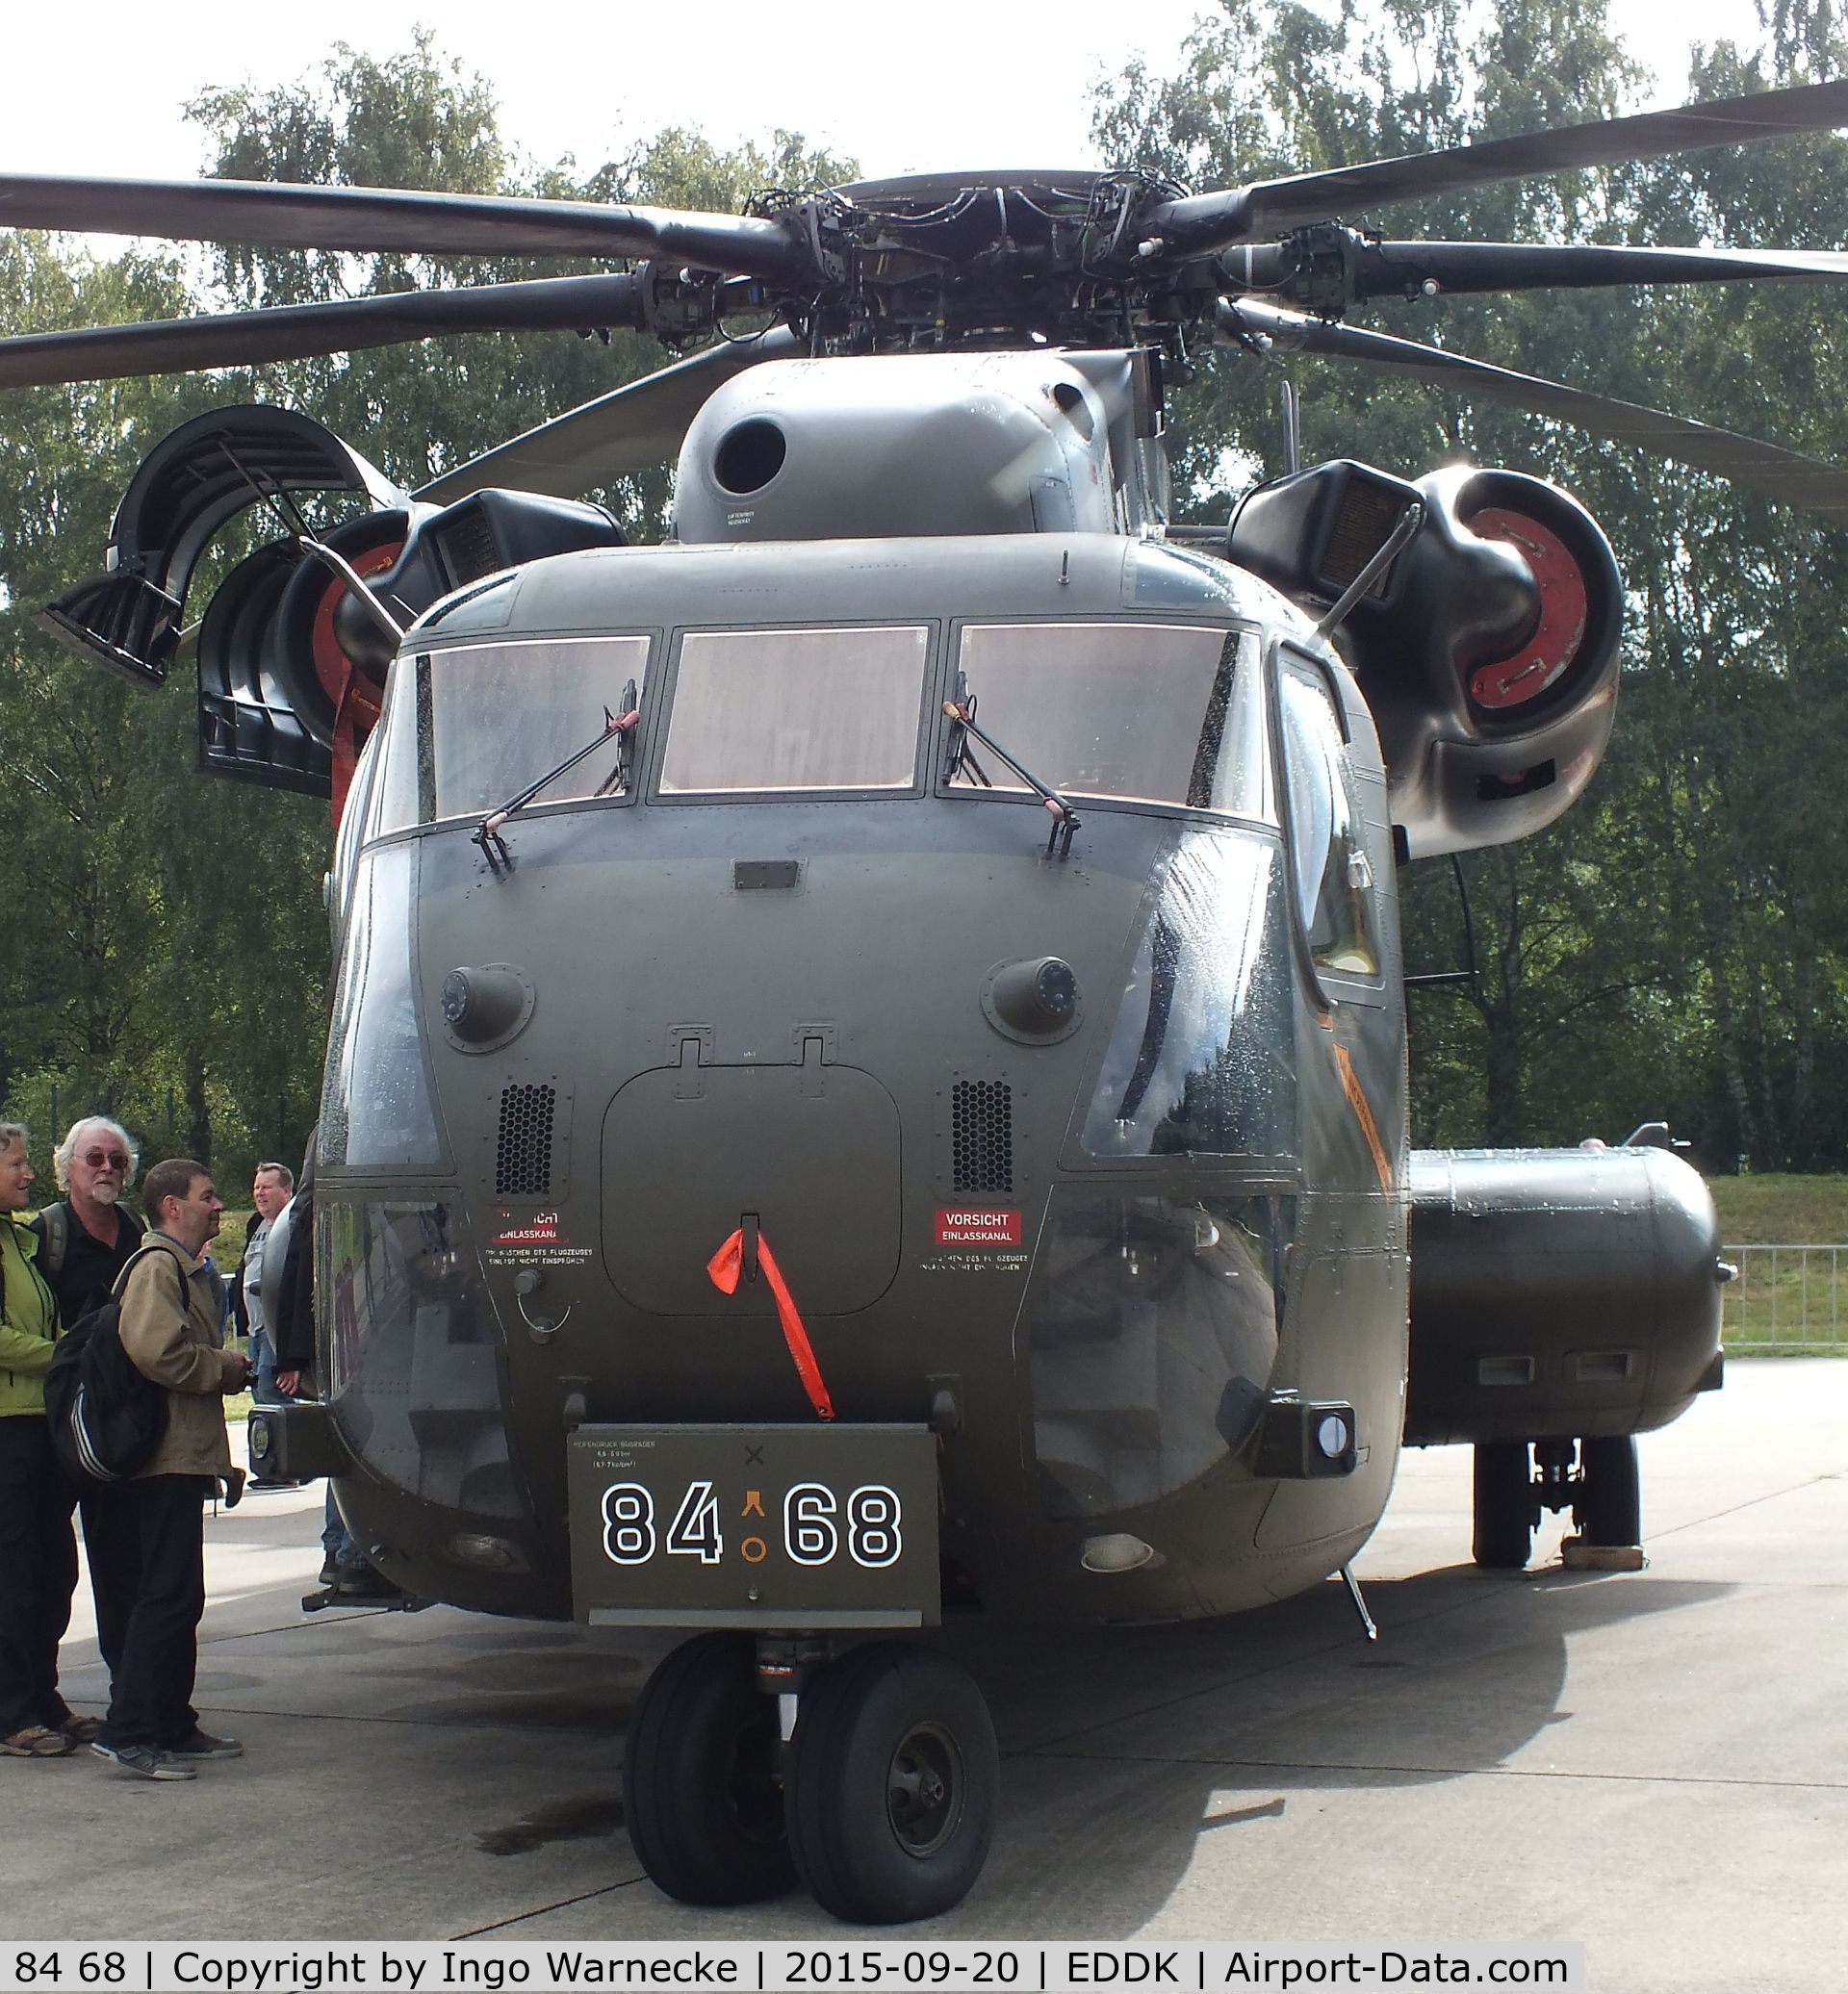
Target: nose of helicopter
811 1151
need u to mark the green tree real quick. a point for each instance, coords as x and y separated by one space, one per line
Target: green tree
169 944
1675 944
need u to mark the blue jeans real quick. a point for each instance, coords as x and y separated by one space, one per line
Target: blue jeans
263 1362
336 1541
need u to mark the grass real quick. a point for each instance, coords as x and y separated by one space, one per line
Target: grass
1779 1210
1797 1306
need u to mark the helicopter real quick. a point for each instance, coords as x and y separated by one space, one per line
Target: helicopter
866 1082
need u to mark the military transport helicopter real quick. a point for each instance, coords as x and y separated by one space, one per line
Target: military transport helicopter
867 1067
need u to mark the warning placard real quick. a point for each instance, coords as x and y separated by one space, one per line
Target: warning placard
541 1229
966 1226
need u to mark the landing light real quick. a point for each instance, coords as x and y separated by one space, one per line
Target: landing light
490 1554
1118 1552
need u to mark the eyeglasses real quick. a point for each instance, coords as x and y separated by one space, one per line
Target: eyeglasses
100 1158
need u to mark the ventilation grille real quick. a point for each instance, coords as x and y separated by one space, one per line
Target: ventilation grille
468 547
982 1133
522 1154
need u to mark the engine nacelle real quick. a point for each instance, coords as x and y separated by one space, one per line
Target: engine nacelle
1487 650
292 668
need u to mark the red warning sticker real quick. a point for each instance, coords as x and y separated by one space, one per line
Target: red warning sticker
964 1227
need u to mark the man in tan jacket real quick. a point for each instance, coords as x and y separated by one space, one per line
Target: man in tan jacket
149 1556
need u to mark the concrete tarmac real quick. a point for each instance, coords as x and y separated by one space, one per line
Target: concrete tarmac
1654 1764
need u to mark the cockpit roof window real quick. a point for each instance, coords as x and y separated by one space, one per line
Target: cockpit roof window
759 712
488 718
1125 711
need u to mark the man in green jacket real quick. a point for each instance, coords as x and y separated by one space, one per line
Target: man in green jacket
38 1551
148 1555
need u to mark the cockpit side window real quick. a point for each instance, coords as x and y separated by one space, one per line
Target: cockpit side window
1330 874
396 743
766 711
361 794
472 726
1125 711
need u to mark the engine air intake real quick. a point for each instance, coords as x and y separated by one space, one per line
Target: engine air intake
982 1134
522 1154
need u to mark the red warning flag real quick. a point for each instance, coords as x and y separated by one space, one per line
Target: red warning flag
725 1267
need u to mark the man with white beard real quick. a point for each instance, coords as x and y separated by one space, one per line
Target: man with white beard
88 1237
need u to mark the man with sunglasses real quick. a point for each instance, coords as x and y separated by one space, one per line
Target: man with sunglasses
88 1237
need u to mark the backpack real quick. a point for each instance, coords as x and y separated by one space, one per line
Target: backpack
106 1417
56 1218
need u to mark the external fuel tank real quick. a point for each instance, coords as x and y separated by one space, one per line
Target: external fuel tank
1559 1292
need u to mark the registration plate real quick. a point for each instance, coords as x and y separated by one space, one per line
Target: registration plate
828 1525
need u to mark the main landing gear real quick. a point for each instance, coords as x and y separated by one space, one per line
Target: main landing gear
871 1778
1516 1479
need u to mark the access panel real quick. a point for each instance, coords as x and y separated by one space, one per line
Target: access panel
813 1151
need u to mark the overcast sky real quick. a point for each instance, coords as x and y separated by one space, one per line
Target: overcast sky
97 88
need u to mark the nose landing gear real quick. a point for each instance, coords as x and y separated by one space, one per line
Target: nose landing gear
702 1791
881 1800
892 1786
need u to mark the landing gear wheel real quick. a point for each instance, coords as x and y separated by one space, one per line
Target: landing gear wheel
700 1789
892 1786
1505 1511
1608 1508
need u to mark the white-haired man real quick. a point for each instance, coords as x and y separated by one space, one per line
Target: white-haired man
88 1237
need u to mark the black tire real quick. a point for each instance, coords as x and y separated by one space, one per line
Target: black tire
1609 1505
700 1788
892 1786
1505 1511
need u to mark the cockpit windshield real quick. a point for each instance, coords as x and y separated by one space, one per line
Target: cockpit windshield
1130 713
472 726
758 711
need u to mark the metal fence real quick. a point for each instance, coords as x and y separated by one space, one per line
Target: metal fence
1787 1298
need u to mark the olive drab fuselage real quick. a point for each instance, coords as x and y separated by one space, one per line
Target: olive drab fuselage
1101 1253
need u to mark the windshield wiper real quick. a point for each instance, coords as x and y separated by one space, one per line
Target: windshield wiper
487 834
960 711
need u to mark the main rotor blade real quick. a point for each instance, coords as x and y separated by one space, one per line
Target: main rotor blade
1404 269
364 218
628 429
1200 223
1778 474
295 332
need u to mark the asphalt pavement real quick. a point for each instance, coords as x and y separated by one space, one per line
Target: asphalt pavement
1654 1764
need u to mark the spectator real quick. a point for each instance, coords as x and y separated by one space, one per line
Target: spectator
88 1237
343 1565
270 1189
38 1552
147 1548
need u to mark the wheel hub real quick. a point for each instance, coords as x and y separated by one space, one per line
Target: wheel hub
924 1789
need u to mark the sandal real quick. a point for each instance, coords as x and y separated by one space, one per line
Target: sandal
37 1741
82 1731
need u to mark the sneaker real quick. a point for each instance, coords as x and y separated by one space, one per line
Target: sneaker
82 1731
37 1741
144 1761
198 1743
329 1573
